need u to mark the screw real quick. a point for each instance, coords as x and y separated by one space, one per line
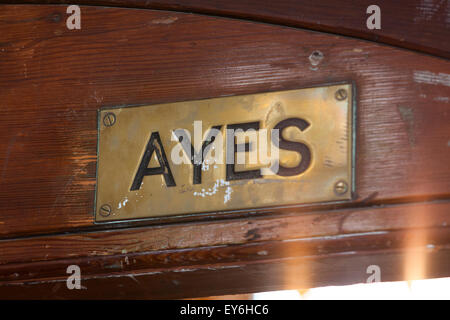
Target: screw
340 187
105 210
341 94
109 119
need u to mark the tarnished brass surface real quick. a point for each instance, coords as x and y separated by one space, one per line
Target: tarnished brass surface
124 135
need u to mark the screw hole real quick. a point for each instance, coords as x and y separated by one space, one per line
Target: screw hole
316 57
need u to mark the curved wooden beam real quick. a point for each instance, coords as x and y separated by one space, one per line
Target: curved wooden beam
412 24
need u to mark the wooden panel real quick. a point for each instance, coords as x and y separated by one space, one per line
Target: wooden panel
54 80
260 277
174 240
302 263
413 24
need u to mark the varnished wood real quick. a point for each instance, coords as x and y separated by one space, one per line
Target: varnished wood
234 269
229 232
412 24
289 252
55 79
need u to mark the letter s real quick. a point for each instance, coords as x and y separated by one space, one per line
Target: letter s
301 148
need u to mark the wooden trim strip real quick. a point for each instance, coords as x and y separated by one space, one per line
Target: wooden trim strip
300 263
228 232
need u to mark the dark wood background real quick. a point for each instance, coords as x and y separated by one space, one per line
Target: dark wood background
53 81
413 24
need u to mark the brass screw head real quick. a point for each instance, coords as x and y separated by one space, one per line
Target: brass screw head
109 119
341 94
105 210
340 187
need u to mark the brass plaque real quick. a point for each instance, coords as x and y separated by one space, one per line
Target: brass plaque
245 152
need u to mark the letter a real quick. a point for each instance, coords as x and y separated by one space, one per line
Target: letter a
373 21
73 21
154 144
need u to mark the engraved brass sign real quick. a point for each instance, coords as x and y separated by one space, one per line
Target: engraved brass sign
243 152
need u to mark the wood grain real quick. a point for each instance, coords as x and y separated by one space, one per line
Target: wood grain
54 80
337 223
412 24
407 241
233 269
